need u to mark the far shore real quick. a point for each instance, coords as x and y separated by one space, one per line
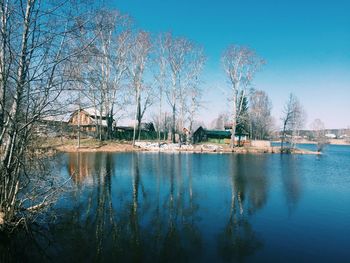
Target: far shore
330 141
91 145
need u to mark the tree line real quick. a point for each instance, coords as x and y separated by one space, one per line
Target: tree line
125 66
61 52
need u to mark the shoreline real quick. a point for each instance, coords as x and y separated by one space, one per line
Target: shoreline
331 142
92 146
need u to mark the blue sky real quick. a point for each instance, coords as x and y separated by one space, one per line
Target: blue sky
306 45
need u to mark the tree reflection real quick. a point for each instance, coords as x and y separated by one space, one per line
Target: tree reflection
90 216
147 207
181 238
249 187
171 233
291 181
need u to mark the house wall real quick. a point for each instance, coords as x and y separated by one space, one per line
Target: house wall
84 119
199 136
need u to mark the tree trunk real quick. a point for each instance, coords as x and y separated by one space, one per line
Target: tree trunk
11 157
160 116
234 120
100 123
110 124
139 117
283 136
3 63
137 114
173 125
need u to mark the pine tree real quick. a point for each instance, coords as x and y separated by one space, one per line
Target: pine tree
242 119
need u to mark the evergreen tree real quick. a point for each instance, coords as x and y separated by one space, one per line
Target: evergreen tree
242 118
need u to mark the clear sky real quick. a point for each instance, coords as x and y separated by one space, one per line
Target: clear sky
306 44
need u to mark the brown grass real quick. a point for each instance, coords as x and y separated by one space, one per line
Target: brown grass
93 145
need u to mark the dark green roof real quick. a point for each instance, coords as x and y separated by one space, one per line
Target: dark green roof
218 134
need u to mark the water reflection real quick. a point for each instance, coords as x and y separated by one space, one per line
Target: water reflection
291 178
249 188
137 221
153 211
139 207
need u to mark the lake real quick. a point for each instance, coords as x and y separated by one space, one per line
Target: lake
163 207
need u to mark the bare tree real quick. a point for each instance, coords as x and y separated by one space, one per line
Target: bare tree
39 41
5 59
139 56
194 89
177 50
319 133
106 66
260 115
161 69
219 122
185 61
240 64
293 119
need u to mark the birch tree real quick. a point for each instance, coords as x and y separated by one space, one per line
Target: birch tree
34 73
6 10
240 64
138 58
194 89
107 67
177 49
161 69
185 61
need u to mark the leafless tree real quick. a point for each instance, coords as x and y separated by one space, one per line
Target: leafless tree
106 65
6 11
161 69
293 120
138 59
219 122
240 64
194 88
162 124
38 39
260 115
177 49
319 133
185 61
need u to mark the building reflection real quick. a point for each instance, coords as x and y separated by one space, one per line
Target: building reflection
80 166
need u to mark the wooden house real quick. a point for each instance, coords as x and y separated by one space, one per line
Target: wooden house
88 118
52 125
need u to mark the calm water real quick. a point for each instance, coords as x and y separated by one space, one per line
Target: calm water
150 207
